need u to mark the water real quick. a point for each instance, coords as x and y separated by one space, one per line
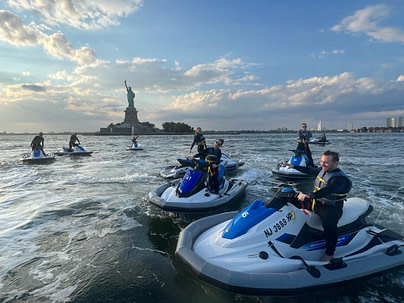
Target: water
81 230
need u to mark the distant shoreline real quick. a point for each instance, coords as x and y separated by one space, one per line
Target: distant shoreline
234 132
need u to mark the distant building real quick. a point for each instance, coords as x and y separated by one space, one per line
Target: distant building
400 121
350 126
391 122
320 126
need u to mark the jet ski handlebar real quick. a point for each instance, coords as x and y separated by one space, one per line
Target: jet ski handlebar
282 196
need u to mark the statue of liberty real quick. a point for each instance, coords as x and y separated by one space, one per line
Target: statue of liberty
131 96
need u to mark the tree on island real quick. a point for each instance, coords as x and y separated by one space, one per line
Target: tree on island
177 127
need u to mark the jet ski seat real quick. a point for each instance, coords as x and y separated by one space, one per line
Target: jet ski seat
353 209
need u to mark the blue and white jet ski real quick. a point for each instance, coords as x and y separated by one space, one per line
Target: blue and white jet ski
287 173
275 248
37 156
134 146
77 150
184 164
191 194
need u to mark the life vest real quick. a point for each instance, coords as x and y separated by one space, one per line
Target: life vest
200 140
322 180
212 156
303 135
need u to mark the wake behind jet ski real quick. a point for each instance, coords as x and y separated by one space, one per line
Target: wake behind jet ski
184 164
275 248
192 193
37 156
298 159
76 150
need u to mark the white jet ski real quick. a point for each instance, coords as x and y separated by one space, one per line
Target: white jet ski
78 150
275 248
37 156
179 170
290 174
134 146
320 141
191 194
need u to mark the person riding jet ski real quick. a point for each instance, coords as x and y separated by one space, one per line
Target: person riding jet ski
38 143
74 141
303 138
327 200
212 155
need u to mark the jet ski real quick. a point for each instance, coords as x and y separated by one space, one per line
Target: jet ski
275 248
37 156
322 140
291 174
179 170
191 194
134 146
78 150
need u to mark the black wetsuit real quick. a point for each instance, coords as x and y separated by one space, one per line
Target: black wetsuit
37 143
72 142
304 135
330 213
200 141
212 156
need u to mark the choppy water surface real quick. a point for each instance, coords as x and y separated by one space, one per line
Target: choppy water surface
81 230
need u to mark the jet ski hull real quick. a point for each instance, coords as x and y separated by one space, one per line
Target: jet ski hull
77 151
296 279
86 153
201 202
290 174
178 171
39 160
37 157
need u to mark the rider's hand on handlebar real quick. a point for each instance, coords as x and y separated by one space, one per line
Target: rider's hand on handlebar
301 197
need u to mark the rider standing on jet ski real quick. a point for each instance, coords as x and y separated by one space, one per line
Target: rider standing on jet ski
134 140
199 140
73 140
212 155
327 199
38 143
303 137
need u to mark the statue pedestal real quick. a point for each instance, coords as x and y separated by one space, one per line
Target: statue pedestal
131 116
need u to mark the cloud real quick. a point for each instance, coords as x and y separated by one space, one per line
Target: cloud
58 46
32 87
332 99
15 32
90 14
205 94
329 53
367 21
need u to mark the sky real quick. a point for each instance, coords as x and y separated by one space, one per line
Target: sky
221 65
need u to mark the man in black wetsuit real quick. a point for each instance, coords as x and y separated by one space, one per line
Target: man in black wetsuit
73 140
303 138
327 199
38 143
199 140
212 155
